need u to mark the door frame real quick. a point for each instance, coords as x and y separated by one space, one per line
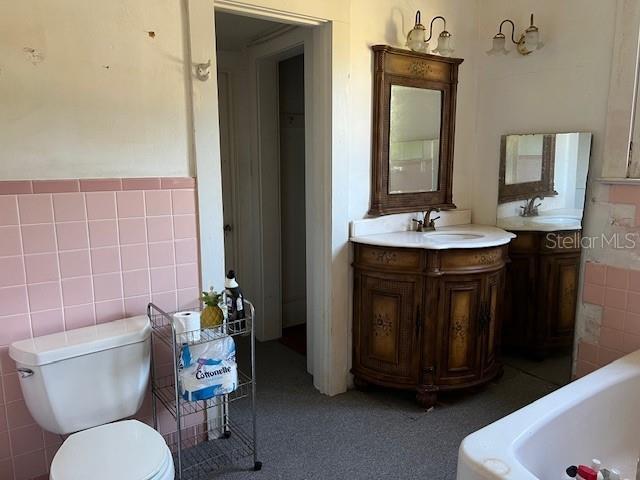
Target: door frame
327 226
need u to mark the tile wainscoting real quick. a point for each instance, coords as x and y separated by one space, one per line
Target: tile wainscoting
80 252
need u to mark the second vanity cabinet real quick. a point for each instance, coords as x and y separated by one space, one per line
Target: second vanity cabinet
542 291
427 320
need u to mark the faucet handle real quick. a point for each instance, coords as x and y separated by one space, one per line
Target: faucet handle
432 222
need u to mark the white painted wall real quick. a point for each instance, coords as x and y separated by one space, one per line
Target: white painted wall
99 97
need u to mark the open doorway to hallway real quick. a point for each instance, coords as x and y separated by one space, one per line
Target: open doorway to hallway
262 99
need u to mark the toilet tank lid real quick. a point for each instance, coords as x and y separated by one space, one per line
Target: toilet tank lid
81 341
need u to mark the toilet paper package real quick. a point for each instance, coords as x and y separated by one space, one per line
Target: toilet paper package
208 369
187 326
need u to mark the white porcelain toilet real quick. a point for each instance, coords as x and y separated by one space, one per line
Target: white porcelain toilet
80 381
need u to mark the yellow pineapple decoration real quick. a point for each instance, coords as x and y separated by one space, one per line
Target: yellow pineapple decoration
211 315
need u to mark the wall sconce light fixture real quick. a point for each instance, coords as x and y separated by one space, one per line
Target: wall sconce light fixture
418 42
529 41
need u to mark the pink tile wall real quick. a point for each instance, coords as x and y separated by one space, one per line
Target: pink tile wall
80 252
617 291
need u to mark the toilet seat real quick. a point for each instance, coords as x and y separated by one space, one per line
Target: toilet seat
126 450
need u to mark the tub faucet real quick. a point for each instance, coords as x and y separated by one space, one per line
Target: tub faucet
530 209
427 224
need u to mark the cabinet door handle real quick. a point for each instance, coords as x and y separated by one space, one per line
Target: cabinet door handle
418 321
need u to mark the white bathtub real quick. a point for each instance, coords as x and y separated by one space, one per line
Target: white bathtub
597 416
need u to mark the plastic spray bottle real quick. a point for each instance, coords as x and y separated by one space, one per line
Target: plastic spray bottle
235 303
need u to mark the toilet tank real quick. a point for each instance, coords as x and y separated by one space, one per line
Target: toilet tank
85 377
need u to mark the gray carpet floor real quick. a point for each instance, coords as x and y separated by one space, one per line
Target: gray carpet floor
380 434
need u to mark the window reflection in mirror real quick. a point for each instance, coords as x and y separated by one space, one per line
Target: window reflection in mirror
414 139
524 159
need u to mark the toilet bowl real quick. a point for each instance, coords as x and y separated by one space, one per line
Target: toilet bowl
86 382
125 450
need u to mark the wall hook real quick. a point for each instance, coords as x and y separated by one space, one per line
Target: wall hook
203 71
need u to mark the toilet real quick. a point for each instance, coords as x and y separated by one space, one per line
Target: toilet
85 382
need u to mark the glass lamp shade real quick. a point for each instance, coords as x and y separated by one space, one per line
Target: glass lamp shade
532 38
445 45
498 47
416 39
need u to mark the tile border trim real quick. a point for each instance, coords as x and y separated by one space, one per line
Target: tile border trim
17 187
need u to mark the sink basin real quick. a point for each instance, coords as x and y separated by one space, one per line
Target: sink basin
555 220
453 237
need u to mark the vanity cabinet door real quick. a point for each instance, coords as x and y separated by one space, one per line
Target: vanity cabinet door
387 327
459 343
560 274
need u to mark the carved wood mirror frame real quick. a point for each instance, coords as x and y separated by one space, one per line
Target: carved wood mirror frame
394 66
526 190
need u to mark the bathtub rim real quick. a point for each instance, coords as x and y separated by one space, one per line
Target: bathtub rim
509 433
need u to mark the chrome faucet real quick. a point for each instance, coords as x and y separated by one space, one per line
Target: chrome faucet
531 210
427 224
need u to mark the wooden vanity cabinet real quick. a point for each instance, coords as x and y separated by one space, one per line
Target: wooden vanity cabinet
427 320
542 291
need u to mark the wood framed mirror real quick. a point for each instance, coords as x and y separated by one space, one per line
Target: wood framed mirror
527 165
414 106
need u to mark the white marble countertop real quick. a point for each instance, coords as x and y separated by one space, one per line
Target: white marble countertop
545 222
458 236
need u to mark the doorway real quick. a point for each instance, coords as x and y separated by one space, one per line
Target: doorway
326 39
262 97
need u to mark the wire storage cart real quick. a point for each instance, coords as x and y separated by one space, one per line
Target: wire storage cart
211 434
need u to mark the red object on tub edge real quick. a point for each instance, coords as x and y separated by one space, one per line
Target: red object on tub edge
587 473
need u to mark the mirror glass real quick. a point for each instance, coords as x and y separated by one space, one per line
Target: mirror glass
548 175
523 159
414 139
568 167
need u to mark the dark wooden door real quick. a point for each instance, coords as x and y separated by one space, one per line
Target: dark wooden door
491 319
458 342
559 274
388 327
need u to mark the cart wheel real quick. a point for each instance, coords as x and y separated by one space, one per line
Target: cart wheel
257 466
227 434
